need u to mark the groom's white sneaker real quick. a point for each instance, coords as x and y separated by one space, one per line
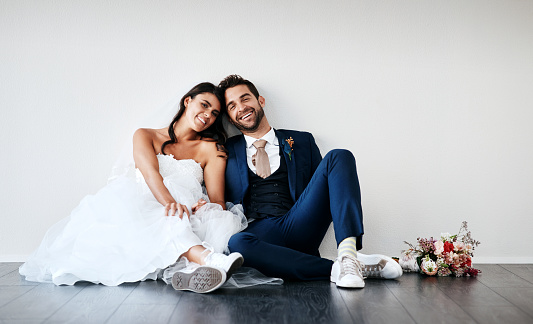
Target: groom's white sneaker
347 272
379 266
228 263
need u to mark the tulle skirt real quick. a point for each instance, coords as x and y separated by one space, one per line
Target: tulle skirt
120 234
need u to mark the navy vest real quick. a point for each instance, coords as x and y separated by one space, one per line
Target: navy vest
270 196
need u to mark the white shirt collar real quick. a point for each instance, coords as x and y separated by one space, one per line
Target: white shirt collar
270 137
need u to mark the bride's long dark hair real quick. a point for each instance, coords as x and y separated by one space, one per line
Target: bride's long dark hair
216 131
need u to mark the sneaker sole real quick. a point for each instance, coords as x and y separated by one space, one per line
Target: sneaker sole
352 285
202 280
371 259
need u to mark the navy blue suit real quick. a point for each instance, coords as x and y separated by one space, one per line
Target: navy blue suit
287 246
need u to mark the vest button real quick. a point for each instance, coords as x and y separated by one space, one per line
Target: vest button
276 194
275 184
254 186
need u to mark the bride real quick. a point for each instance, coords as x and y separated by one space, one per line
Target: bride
137 226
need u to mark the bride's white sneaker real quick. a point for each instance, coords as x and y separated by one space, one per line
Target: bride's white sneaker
202 279
347 272
228 263
379 266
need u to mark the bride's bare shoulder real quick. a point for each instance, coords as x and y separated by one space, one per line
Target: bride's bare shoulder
211 148
150 133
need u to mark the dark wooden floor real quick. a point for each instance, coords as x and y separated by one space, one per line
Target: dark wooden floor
501 294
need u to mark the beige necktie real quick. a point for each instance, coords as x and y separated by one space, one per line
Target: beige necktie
260 159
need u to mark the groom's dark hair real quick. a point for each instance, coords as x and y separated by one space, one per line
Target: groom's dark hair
234 80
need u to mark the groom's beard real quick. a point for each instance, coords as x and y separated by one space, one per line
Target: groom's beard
258 117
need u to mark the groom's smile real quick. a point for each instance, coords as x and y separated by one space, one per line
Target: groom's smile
246 115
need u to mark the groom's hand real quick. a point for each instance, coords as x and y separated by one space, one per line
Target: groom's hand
198 205
172 208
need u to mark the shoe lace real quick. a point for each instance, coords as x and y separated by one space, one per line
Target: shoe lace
212 257
351 265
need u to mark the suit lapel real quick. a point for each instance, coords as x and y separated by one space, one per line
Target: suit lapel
291 163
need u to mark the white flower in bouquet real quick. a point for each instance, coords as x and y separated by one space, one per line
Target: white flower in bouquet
429 266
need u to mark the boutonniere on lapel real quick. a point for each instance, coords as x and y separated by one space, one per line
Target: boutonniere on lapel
287 147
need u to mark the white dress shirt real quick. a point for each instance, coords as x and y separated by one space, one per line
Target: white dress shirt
271 148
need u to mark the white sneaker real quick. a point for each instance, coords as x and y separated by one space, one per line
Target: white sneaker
201 279
346 272
228 263
379 266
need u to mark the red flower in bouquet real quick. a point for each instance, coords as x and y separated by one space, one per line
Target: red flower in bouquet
448 247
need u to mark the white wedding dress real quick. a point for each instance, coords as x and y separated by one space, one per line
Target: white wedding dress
120 234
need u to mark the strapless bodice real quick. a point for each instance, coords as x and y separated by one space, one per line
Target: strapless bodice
169 166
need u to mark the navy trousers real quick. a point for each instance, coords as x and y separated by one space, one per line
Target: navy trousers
287 246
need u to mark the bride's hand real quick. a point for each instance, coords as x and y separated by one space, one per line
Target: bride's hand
172 208
198 205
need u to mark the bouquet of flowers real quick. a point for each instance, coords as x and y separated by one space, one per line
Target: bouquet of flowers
450 255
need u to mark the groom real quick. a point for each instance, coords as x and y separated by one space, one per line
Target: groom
291 195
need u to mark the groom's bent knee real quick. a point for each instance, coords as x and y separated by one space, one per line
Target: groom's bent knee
340 155
242 242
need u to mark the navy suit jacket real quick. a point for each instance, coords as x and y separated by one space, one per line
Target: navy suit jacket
304 160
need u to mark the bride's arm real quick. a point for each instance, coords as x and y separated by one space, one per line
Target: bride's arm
146 161
214 175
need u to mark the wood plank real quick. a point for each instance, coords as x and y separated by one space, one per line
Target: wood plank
261 304
155 292
94 304
474 296
10 293
142 313
15 279
524 271
411 279
519 297
368 296
39 303
204 308
427 304
7 267
301 302
496 276
316 302
498 315
374 305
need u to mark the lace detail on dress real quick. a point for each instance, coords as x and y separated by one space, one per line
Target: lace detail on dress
168 166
